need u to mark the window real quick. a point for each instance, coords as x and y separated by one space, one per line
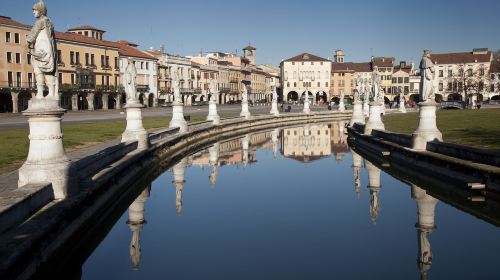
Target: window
18 58
16 38
295 84
319 84
30 80
469 72
288 84
440 73
86 33
72 79
87 59
481 86
18 79
116 62
492 87
92 60
450 86
326 84
147 65
293 63
77 58
10 79
481 71
72 58
60 78
461 72
7 37
407 80
400 80
492 76
107 61
440 87
9 57
59 56
450 73
394 80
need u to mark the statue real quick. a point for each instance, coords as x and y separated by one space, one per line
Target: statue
244 94
357 91
130 82
175 84
213 91
43 49
426 77
275 95
377 95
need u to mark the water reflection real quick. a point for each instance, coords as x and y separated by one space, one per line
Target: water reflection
426 206
135 222
305 144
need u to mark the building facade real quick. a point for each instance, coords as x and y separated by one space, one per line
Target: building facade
306 74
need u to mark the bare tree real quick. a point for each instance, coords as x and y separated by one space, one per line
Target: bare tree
467 82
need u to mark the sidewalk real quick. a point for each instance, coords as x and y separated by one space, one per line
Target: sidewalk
8 181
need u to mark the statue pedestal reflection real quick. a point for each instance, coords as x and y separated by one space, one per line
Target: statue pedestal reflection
178 171
374 187
357 114
135 222
214 162
357 161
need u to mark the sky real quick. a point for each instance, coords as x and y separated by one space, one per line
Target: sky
283 29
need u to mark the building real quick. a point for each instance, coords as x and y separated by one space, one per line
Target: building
400 80
495 80
306 73
461 76
344 75
383 68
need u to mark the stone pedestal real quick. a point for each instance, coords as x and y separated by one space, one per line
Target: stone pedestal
357 161
402 107
135 222
341 106
274 108
178 172
374 119
178 117
15 101
212 112
366 108
426 206
244 110
374 187
90 101
105 98
135 130
307 109
47 160
427 129
357 114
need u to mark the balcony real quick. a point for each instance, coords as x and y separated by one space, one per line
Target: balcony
142 88
233 80
15 85
224 90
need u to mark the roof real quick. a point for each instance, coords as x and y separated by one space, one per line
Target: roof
249 48
352 67
194 64
495 66
73 37
383 61
8 21
406 69
306 57
462 57
129 51
86 27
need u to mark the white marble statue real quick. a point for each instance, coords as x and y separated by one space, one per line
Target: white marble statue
214 95
357 92
43 49
378 94
176 86
244 94
426 77
130 84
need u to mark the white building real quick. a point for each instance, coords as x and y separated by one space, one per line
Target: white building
495 79
458 76
147 71
305 73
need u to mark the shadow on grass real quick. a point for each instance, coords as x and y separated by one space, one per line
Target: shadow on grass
477 137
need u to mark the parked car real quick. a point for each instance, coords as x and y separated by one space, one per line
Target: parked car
166 104
199 103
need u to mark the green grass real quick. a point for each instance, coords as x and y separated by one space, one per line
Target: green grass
15 144
477 128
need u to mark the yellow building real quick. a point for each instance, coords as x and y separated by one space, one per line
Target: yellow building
383 67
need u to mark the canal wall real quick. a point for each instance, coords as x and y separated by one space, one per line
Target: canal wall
39 233
463 166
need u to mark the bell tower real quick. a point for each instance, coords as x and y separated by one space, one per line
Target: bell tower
249 53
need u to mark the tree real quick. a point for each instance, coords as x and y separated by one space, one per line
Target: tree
466 82
496 54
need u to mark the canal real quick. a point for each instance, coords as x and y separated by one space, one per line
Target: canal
291 203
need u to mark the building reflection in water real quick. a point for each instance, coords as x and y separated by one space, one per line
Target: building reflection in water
374 187
178 171
135 222
426 206
357 161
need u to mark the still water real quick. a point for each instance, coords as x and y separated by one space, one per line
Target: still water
291 203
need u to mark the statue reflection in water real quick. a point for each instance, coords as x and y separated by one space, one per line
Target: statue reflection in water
245 145
274 140
374 187
135 222
178 171
426 206
214 162
356 170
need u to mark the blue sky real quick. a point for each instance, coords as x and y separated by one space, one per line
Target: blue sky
282 29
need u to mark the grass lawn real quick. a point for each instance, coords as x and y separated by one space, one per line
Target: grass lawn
478 128
15 144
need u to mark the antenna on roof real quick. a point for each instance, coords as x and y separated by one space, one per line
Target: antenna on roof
162 48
